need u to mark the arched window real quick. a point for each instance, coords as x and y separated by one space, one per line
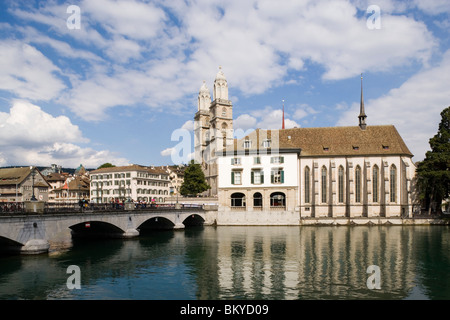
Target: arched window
307 185
257 200
224 112
341 184
358 184
238 199
277 199
375 184
324 184
393 183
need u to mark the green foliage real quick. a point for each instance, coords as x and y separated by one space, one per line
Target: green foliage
194 180
106 165
433 173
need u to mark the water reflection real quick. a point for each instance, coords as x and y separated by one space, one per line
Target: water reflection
243 263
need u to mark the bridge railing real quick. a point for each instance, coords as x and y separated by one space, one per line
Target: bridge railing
16 208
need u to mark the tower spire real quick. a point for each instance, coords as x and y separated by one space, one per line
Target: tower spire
282 124
362 114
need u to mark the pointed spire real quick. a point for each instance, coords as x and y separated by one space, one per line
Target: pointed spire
362 113
282 124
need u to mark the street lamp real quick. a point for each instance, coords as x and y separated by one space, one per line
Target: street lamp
33 173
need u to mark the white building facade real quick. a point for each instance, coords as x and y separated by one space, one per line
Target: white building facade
319 172
134 182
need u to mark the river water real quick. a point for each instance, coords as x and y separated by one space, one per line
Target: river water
276 263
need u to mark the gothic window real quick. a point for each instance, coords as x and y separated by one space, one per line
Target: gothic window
224 112
341 184
375 184
307 185
393 183
324 185
358 184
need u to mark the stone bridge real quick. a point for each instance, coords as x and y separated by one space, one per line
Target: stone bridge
31 233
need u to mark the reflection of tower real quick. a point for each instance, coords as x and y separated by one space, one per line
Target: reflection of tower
213 127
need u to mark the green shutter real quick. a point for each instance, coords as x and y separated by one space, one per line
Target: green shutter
271 177
281 159
232 161
262 176
271 160
282 176
253 177
232 177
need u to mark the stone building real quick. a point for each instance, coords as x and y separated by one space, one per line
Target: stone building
354 171
18 184
213 128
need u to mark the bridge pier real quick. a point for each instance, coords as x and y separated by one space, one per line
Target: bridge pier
130 233
35 246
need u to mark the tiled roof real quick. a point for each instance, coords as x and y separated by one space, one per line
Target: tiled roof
13 175
134 167
329 141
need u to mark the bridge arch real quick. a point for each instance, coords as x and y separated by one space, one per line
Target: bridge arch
155 223
193 220
8 245
96 229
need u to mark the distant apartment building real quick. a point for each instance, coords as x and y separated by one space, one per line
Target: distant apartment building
18 184
133 182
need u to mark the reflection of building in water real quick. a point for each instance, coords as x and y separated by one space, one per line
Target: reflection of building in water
314 263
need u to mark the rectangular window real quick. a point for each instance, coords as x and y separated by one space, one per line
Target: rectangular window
266 143
277 176
247 144
257 160
257 177
277 160
235 161
236 177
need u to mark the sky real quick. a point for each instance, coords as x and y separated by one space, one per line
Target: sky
89 82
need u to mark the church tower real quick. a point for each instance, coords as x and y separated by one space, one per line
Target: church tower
213 128
201 124
221 113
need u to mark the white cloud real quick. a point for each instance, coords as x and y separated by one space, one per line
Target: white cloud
27 125
168 152
32 136
26 72
414 108
188 125
244 122
156 61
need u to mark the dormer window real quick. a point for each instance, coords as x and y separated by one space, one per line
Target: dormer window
385 147
356 148
266 143
247 144
326 149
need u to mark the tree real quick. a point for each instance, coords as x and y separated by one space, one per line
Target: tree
433 173
106 165
194 180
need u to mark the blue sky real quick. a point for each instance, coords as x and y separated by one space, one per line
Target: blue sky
117 85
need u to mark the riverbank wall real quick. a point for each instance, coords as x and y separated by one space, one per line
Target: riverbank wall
286 218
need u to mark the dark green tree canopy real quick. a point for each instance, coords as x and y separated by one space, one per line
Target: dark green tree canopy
433 173
106 165
194 180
